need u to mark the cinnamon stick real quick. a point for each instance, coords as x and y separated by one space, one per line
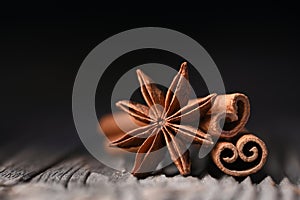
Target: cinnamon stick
231 110
245 157
116 125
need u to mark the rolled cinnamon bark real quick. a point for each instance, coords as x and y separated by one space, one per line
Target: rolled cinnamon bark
245 157
113 126
228 115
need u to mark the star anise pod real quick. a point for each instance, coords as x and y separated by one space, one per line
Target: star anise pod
163 117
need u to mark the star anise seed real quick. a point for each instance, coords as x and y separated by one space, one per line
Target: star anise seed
164 115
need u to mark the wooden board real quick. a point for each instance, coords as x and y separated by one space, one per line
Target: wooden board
37 170
160 187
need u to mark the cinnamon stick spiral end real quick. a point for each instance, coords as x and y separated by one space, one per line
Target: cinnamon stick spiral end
246 157
228 115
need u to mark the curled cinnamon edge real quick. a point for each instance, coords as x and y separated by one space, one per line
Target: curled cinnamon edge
257 155
228 115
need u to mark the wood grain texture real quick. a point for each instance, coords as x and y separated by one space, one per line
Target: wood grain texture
31 160
267 189
287 191
36 174
247 190
158 187
62 172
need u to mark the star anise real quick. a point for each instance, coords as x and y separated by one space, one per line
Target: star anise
163 117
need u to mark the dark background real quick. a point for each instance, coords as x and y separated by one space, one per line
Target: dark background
256 48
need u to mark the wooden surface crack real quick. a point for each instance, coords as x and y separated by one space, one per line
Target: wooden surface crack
86 177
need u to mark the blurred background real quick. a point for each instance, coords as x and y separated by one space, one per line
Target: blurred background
256 48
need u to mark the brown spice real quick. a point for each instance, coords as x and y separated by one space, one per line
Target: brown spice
162 116
116 125
232 109
147 129
257 155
